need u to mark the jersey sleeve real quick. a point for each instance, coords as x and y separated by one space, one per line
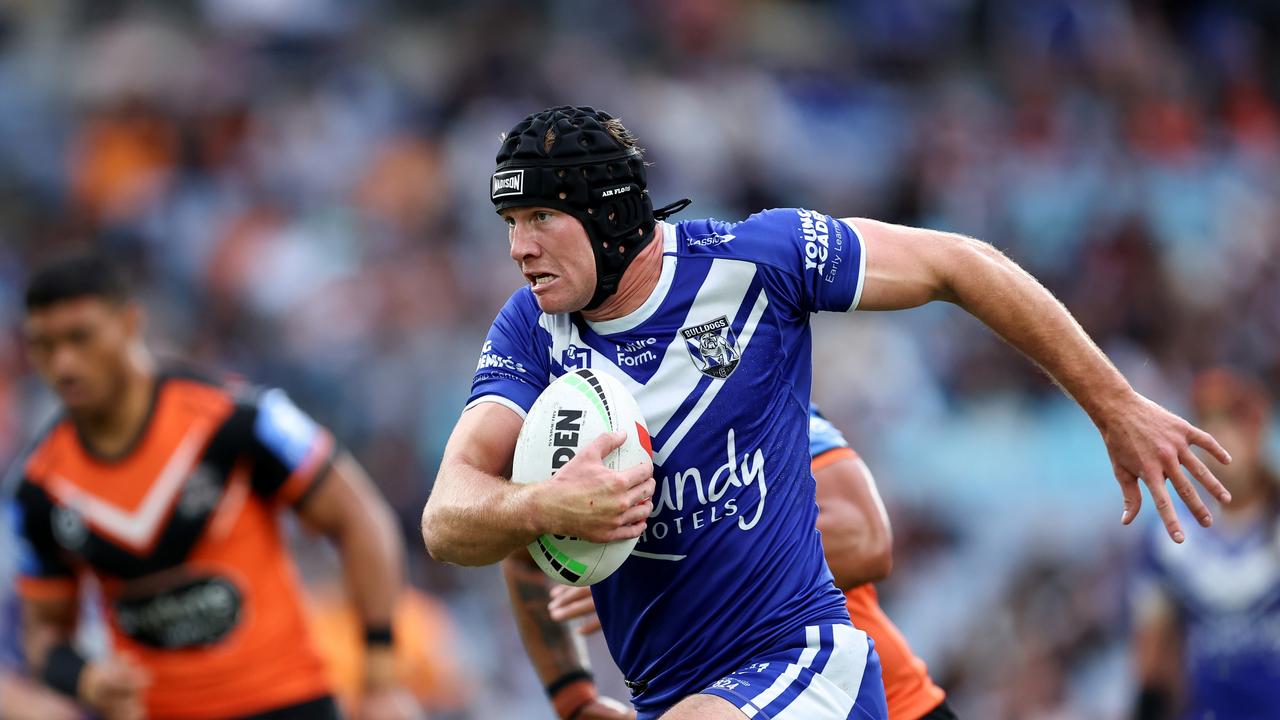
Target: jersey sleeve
514 366
292 453
810 261
43 570
823 436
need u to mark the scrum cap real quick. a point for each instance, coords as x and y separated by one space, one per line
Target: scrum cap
565 158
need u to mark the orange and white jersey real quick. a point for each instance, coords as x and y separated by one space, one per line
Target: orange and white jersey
182 533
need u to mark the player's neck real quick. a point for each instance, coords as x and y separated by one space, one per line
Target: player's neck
637 284
114 430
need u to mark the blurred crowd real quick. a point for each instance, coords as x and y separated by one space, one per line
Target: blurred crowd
299 188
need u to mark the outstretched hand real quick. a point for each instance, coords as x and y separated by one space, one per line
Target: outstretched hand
1147 442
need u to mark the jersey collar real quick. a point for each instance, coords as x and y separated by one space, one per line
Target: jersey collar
637 317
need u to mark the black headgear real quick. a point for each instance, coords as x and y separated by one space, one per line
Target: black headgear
586 173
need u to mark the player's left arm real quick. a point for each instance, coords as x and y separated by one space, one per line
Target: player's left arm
906 267
856 536
347 507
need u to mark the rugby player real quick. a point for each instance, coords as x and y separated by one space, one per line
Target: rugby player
1206 638
726 608
858 543
166 487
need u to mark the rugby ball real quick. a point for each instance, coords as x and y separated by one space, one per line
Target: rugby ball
575 409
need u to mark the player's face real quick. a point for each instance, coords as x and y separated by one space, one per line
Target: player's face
80 347
1244 441
554 255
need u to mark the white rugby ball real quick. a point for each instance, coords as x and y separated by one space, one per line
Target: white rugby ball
575 409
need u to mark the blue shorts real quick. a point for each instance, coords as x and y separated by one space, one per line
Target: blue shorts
830 672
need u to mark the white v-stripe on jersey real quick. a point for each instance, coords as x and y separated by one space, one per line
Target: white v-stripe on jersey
718 358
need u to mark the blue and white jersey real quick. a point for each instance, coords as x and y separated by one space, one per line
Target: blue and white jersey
1223 584
823 436
718 358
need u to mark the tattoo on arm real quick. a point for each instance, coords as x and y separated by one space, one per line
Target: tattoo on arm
552 646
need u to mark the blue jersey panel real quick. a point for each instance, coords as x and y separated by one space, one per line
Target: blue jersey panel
730 566
823 436
514 364
1226 589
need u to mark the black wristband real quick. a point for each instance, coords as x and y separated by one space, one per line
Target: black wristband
379 635
1152 704
62 669
566 679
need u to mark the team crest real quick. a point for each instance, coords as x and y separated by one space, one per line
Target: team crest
713 347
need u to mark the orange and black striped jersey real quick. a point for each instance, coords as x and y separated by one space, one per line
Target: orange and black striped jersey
182 533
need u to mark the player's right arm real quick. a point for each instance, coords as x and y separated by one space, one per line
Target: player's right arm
47 585
476 516
558 656
111 687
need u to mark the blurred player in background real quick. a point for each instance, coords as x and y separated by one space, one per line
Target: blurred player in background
857 541
166 486
1207 613
727 608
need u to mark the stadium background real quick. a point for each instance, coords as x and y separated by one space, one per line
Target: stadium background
299 187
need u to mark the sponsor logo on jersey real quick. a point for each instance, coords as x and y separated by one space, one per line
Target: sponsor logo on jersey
635 353
575 358
709 240
817 240
713 347
490 360
191 613
689 500
508 182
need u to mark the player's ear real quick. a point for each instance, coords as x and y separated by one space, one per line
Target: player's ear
135 319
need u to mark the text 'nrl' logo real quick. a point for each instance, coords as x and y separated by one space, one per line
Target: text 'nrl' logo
713 347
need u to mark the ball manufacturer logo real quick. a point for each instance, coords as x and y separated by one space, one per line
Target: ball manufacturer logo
564 437
508 182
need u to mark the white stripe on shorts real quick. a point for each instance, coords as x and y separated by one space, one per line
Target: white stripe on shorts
840 681
812 644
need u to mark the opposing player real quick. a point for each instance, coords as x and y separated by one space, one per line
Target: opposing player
1207 613
726 608
858 544
857 540
166 486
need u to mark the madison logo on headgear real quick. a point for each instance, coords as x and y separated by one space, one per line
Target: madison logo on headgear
713 347
508 182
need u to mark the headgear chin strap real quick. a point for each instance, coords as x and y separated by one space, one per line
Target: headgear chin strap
587 173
